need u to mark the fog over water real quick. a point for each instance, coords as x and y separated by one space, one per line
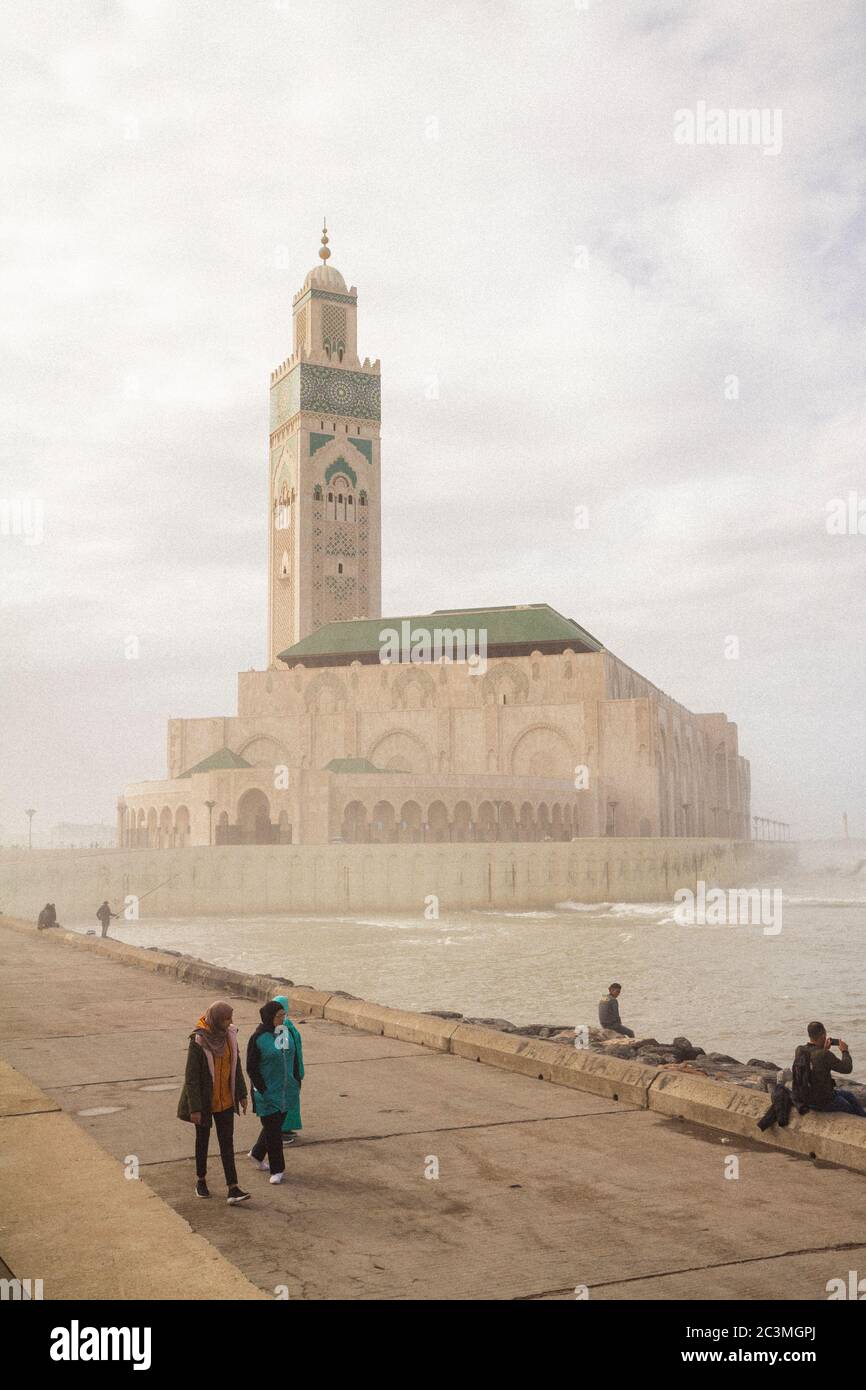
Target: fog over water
732 989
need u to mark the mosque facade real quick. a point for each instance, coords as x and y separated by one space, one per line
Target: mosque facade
508 723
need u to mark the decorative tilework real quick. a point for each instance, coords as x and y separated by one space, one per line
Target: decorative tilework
318 441
364 446
341 466
336 391
333 327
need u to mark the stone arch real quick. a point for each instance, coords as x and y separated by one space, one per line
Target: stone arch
462 822
325 693
383 829
438 827
485 822
355 828
264 751
409 829
413 688
526 826
254 818
507 821
542 750
166 828
399 750
504 683
181 826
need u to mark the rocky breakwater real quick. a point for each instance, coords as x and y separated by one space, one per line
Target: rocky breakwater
679 1055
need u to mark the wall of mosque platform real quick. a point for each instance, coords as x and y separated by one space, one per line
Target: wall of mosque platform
258 880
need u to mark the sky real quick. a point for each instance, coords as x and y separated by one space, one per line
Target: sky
581 298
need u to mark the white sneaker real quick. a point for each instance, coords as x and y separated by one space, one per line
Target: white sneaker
276 1177
263 1166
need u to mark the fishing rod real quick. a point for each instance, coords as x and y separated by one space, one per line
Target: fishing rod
142 896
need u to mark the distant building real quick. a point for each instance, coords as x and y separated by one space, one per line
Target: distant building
366 728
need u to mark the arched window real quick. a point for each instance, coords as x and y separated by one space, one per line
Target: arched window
317 493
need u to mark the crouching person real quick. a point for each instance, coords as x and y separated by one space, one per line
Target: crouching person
214 1090
269 1063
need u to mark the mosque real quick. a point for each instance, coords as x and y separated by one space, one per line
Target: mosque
508 723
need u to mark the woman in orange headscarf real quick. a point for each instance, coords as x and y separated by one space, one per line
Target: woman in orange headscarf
213 1091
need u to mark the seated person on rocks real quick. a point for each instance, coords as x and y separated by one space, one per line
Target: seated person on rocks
812 1083
608 1012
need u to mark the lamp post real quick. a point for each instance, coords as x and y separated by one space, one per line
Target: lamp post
30 814
210 805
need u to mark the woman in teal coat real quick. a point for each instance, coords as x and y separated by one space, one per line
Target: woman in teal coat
292 1121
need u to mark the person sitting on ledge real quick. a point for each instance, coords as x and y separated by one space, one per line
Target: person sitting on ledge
813 1085
608 1012
47 917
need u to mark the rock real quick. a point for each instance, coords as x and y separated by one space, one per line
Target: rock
721 1058
441 1013
621 1050
684 1050
764 1066
501 1023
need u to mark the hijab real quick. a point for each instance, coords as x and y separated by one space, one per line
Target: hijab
209 1033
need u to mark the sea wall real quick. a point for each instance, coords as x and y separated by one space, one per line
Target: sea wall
251 880
669 1091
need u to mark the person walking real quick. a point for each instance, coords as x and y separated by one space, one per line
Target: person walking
269 1063
608 1011
292 1122
105 915
213 1090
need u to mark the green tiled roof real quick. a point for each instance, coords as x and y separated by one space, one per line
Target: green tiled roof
353 765
215 762
528 626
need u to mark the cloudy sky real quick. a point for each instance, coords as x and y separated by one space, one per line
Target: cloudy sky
572 308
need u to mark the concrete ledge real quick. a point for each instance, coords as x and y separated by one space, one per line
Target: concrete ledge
303 1002
613 1077
736 1110
488 1045
426 1029
356 1013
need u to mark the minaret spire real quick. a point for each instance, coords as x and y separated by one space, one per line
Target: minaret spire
324 253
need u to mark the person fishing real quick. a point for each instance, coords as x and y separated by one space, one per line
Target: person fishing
214 1090
292 1122
105 915
269 1064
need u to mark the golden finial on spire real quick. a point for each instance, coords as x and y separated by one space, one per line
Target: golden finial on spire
324 253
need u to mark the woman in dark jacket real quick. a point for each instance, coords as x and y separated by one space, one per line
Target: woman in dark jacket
269 1063
214 1088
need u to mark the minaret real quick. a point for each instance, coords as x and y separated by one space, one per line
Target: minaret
324 496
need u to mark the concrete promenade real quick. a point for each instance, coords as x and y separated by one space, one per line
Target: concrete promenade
541 1188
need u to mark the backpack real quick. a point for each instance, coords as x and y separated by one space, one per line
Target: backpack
801 1075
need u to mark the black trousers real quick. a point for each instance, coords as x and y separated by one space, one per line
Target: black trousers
270 1141
225 1128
